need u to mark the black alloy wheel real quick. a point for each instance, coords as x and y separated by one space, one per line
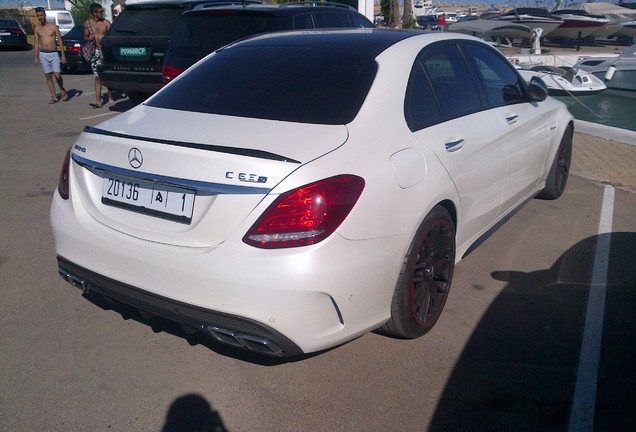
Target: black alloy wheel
560 169
425 280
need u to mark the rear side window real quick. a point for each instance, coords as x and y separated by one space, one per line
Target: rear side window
453 83
329 20
146 21
420 105
332 20
197 35
441 87
503 86
64 18
297 84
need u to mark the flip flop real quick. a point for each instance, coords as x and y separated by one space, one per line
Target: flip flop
65 97
96 105
52 101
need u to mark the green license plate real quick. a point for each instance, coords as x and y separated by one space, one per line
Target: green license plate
132 51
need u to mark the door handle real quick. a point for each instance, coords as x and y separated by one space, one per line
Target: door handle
512 118
455 145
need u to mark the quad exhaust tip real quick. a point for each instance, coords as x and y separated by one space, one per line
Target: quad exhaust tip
245 341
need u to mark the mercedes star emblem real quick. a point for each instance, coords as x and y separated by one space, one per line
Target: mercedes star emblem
135 158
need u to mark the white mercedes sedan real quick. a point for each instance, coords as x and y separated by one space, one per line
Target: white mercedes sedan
292 191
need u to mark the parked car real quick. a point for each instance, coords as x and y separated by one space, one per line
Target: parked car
136 44
12 35
73 43
208 27
295 190
61 18
427 22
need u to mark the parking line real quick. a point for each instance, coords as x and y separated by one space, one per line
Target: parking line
100 115
584 401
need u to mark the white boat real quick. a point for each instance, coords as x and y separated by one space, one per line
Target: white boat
533 18
453 17
490 13
424 7
618 73
488 29
564 81
577 24
627 29
616 15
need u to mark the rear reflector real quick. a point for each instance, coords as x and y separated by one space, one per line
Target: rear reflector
63 184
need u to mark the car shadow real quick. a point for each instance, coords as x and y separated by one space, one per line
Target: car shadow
518 370
120 102
73 93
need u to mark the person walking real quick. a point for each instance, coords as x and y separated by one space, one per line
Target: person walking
441 23
94 30
47 39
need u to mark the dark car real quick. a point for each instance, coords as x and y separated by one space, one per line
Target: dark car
73 43
134 48
427 22
12 35
209 27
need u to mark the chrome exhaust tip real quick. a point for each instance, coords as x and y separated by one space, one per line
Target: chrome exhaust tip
244 341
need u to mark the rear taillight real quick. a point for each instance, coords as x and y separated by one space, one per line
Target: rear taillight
170 72
306 215
62 186
17 32
76 48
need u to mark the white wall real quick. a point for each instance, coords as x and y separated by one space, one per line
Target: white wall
365 7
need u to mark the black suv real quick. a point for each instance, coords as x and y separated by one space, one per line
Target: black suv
134 48
209 27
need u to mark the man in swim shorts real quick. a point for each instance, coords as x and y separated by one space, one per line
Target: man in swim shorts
47 38
94 29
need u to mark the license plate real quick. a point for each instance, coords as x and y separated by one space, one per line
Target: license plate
5 34
132 51
155 199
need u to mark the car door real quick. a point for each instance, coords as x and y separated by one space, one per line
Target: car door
524 124
446 110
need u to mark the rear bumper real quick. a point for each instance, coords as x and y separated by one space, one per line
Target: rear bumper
140 81
225 328
14 44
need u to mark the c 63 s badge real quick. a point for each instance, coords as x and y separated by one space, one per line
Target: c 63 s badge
245 177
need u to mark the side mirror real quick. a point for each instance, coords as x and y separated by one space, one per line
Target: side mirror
537 89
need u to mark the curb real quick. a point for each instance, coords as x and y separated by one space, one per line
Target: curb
608 132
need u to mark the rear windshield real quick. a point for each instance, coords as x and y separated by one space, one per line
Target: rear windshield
9 23
146 21
297 84
199 35
76 32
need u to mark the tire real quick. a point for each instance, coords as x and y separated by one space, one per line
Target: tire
425 279
560 169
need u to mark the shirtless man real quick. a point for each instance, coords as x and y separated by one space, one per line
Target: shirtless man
94 29
47 38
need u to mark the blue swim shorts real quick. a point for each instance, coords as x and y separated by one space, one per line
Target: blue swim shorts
50 61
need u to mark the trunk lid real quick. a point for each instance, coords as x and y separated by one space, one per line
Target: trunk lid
216 168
